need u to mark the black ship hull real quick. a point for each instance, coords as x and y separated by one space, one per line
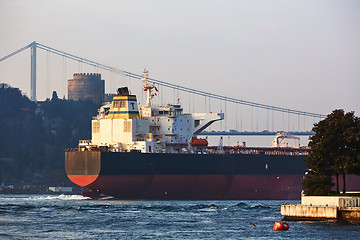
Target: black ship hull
187 176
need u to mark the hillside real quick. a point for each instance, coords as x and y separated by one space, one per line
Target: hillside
33 136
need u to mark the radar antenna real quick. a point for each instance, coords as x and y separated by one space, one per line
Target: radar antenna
148 87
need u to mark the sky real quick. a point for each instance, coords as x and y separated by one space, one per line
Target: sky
302 55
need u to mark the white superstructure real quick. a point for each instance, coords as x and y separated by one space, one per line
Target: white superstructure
123 126
282 140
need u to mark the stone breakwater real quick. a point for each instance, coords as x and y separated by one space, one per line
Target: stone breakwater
320 208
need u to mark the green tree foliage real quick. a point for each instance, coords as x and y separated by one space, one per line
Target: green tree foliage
317 185
33 136
13 103
335 147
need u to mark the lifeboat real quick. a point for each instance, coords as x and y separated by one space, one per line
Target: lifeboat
199 142
279 226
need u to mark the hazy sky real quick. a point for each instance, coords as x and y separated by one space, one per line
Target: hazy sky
303 55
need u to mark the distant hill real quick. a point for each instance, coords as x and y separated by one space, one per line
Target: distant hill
33 136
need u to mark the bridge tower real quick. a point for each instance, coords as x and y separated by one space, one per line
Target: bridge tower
33 46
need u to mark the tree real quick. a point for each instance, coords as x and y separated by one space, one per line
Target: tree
335 147
54 96
33 136
317 185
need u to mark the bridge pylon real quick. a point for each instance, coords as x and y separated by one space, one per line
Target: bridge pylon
33 46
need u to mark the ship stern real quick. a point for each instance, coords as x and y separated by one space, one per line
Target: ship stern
82 167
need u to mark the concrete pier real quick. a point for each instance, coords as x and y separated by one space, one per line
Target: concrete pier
320 208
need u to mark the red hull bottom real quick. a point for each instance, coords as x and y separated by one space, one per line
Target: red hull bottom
200 187
205 187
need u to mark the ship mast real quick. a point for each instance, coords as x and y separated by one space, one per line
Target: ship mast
148 88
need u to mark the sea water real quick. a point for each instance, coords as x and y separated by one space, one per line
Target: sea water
76 217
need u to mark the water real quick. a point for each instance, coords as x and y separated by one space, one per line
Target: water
74 217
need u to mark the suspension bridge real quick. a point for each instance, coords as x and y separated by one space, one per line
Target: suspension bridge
241 116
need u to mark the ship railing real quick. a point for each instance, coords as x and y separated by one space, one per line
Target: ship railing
85 141
71 149
255 150
84 149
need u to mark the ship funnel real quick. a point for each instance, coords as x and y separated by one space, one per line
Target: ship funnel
124 106
123 91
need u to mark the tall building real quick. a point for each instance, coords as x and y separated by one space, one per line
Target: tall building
86 86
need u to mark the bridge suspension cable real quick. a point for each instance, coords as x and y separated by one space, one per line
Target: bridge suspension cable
165 84
16 52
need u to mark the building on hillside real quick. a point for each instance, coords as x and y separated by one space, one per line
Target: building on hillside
86 86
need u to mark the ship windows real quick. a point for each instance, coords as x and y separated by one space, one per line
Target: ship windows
116 104
197 123
127 126
96 127
119 104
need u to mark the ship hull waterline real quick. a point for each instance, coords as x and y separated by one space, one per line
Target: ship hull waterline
196 187
188 176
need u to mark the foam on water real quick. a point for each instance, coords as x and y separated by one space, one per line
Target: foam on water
259 206
207 210
60 197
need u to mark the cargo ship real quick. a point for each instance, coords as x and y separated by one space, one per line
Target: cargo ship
153 152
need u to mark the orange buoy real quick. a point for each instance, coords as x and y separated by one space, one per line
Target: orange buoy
278 226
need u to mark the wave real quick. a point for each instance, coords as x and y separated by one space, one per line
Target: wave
259 206
240 205
164 208
203 206
60 197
